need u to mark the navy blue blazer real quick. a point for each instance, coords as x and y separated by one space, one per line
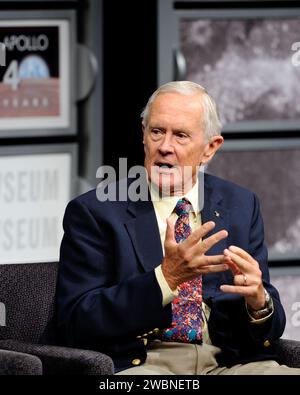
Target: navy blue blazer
108 298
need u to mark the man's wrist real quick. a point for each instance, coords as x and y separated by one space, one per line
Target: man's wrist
167 293
266 310
171 283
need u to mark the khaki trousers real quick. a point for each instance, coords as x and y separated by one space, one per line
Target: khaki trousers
170 358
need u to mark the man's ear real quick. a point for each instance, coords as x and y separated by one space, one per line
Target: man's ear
211 148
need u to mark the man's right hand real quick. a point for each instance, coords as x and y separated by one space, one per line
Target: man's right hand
187 260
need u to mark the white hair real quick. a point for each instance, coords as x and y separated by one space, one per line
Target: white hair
211 122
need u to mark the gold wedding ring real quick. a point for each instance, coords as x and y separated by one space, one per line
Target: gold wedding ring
245 280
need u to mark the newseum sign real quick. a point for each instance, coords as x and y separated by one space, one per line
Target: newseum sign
34 191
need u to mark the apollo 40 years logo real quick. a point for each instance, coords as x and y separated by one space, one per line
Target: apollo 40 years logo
31 81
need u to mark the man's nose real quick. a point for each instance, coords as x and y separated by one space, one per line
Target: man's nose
166 146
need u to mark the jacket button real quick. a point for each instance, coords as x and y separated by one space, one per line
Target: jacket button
136 362
267 343
139 337
145 342
156 330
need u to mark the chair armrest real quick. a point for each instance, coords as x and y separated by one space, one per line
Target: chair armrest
15 363
288 352
64 360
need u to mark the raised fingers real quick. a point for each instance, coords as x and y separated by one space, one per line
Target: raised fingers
241 263
237 289
242 253
234 268
204 245
213 268
208 243
208 264
199 233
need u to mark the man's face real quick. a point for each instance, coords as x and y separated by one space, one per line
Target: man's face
174 142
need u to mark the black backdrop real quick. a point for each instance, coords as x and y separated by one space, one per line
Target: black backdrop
130 71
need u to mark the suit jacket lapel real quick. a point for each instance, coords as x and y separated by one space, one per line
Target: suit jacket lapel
144 234
214 210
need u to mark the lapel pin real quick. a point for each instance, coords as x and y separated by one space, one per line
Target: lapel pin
217 214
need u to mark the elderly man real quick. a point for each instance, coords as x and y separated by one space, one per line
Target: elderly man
177 283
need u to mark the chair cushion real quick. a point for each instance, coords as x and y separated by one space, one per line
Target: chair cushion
27 291
289 352
64 360
15 363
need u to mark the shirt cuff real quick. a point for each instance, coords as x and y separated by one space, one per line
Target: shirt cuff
167 294
260 320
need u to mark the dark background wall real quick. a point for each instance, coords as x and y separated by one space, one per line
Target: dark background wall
130 71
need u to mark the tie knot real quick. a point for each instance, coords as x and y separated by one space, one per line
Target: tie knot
183 207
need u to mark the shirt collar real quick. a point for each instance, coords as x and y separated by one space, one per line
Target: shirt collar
166 204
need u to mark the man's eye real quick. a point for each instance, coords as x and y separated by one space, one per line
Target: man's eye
181 135
156 132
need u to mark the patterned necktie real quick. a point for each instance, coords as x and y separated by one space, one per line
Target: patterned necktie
187 306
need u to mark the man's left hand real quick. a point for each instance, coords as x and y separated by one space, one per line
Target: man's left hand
247 277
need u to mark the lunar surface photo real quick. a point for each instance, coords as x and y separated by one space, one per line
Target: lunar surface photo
246 65
273 175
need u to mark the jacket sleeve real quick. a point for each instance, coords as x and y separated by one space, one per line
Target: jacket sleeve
92 308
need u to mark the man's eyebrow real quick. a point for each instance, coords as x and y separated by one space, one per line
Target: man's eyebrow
156 127
182 130
177 130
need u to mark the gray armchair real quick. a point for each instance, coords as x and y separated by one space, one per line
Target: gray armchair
15 363
289 352
27 341
28 337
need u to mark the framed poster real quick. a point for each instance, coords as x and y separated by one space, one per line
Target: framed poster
37 81
36 183
270 169
245 57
